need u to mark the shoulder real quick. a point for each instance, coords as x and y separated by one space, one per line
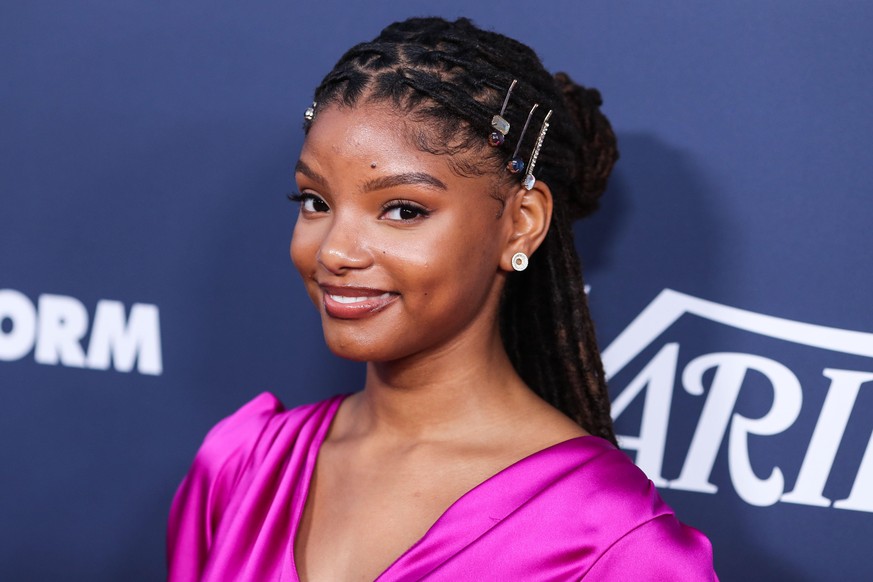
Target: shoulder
256 441
254 428
611 480
639 536
240 445
262 413
240 429
661 548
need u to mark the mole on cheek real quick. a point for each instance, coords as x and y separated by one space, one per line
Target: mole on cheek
373 164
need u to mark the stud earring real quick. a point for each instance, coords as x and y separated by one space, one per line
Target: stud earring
499 123
515 163
529 179
519 261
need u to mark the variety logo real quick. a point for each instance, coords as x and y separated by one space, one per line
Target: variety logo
726 373
55 327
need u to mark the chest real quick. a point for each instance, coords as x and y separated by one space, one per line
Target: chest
361 516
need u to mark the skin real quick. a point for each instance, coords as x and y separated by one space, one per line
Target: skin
442 408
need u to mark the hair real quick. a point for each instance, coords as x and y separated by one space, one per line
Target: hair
449 79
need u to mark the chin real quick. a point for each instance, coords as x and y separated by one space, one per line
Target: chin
359 349
354 355
360 354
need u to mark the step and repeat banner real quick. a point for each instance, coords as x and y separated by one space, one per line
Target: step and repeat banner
146 289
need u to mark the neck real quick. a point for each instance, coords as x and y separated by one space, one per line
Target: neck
459 389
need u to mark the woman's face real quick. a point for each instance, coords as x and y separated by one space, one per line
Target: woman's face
399 254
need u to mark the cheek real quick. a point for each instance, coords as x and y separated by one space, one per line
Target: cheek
304 248
453 263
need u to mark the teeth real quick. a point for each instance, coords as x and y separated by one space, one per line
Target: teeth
345 299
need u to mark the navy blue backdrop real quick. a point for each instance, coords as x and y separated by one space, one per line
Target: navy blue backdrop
146 291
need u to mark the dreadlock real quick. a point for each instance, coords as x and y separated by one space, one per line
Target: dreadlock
450 78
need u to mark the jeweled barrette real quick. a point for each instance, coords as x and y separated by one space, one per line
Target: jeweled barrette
529 179
309 114
515 163
499 123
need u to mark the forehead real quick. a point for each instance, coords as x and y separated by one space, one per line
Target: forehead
360 131
378 132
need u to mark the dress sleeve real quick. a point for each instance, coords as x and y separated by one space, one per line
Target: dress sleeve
661 549
203 496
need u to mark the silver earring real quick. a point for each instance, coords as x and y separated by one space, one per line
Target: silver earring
519 261
529 179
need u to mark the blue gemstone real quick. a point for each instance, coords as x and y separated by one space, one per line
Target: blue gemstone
515 165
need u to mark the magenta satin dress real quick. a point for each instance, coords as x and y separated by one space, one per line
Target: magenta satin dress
577 510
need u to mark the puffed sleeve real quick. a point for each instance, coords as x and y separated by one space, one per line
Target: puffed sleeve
203 496
661 549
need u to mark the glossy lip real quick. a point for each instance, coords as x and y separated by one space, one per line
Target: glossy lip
346 302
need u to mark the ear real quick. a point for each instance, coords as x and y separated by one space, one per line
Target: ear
530 213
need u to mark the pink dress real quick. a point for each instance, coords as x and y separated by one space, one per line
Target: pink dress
579 509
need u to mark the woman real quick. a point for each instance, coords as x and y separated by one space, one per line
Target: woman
440 172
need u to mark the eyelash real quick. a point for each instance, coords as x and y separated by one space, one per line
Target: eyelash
420 211
303 197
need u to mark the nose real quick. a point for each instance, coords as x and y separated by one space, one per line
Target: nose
343 247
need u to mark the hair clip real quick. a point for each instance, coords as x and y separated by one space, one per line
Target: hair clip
500 125
529 179
309 114
515 163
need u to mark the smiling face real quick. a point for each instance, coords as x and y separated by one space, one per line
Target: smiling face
400 254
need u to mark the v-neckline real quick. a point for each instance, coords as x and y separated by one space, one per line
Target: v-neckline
312 459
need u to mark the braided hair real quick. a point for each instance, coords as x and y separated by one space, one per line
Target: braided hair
450 78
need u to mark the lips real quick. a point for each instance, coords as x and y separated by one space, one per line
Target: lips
355 302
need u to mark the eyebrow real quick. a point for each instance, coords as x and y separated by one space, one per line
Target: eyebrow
302 168
405 179
402 179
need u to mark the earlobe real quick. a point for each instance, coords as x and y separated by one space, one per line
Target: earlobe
531 213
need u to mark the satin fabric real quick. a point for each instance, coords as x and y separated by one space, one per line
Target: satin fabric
579 509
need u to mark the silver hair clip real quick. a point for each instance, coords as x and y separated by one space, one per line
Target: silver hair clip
515 163
309 114
499 123
529 179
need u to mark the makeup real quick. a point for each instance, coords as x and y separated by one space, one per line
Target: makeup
355 302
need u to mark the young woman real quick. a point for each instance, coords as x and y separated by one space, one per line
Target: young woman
440 172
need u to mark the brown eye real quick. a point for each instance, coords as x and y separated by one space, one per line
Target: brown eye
404 211
312 203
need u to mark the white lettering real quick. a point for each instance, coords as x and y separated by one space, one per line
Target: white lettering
718 411
861 496
713 419
730 372
111 339
63 322
18 341
819 459
59 323
660 376
787 401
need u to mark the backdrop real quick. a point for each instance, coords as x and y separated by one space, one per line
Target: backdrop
145 154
